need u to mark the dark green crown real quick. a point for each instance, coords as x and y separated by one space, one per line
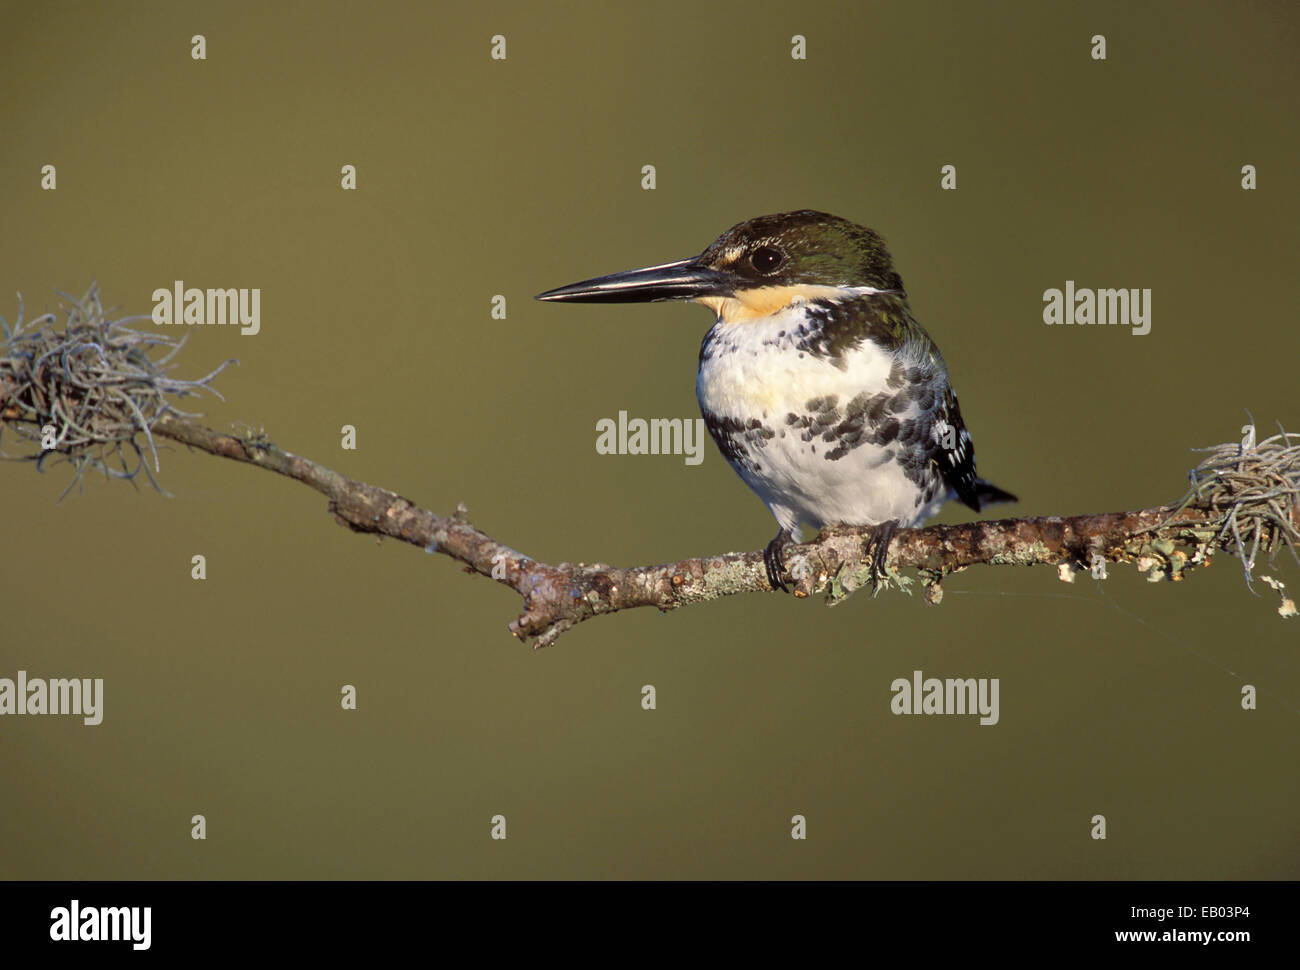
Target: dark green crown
810 247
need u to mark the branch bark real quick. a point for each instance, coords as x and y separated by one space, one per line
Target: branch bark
1164 541
92 393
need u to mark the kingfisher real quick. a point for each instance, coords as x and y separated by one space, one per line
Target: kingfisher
816 382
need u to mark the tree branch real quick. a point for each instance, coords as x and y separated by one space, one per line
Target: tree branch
1165 542
89 394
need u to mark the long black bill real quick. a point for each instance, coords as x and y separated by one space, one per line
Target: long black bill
685 279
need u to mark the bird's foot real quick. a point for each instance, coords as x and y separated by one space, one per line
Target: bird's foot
774 559
877 548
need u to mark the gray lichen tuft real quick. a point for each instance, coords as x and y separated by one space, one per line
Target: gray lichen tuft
1256 487
87 394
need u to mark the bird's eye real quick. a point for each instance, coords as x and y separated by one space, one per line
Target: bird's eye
765 259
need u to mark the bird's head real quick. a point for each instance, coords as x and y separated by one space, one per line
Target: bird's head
756 268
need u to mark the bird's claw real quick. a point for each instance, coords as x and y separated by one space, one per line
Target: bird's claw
877 548
774 560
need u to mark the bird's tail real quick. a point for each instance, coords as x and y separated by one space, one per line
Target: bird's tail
986 493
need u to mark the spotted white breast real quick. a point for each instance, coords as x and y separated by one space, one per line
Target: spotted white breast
824 439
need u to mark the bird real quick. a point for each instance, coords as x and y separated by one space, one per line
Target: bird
815 381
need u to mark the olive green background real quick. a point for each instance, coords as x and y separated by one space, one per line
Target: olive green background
480 177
